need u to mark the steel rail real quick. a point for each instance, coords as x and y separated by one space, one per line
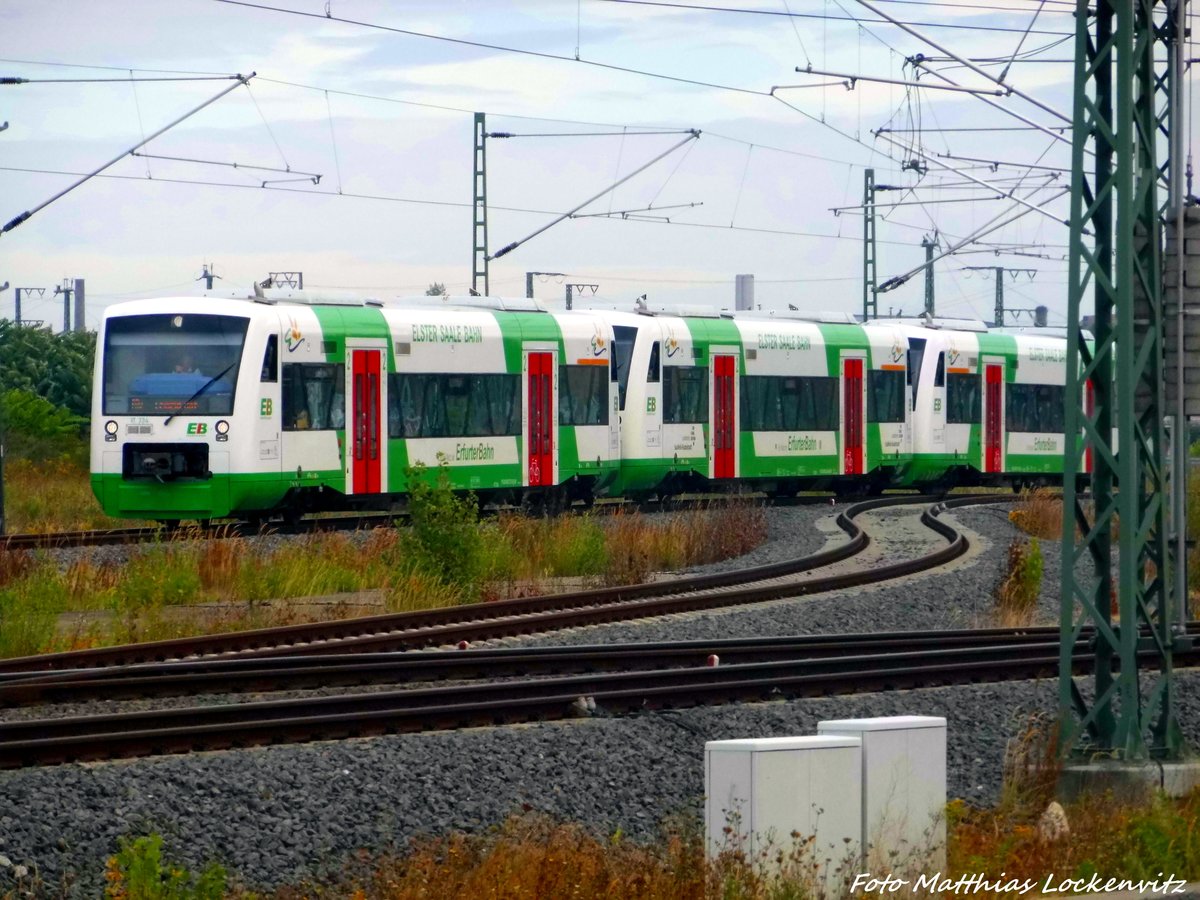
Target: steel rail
446 625
257 674
50 741
526 615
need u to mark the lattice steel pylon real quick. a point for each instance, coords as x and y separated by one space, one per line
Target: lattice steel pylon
870 276
479 259
1115 249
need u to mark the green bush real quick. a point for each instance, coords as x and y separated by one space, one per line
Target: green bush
34 428
1018 592
137 872
447 541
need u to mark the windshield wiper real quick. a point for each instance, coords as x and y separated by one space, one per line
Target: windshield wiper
204 387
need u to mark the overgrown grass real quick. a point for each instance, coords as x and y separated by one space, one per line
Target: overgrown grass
1017 593
1107 836
52 495
534 857
188 586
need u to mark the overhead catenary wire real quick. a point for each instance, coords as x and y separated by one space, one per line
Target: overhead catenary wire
503 115
938 162
991 225
488 46
958 26
437 203
13 223
1021 43
1012 89
337 166
138 106
508 248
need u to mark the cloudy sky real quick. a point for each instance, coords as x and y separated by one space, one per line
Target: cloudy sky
377 98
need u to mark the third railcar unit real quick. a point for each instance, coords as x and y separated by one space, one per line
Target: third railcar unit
206 408
987 408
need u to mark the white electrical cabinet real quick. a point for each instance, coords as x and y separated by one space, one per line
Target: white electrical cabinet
903 787
762 790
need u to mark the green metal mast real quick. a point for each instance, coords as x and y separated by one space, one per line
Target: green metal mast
929 243
1115 251
870 276
479 265
999 314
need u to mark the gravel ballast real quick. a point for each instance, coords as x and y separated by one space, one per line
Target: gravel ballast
278 815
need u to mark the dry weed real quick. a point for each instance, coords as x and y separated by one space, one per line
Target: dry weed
1039 513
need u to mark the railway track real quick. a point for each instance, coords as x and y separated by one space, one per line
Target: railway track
502 685
403 631
108 537
775 669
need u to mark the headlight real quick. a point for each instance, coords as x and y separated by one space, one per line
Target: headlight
110 426
222 427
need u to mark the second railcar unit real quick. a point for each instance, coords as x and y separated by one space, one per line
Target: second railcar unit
775 405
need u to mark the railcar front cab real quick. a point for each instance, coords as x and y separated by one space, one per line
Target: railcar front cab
176 436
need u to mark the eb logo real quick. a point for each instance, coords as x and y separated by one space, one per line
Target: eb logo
265 407
651 404
197 428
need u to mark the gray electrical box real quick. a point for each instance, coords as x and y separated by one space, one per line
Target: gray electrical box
759 792
903 787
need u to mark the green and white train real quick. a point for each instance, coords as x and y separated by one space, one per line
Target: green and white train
284 403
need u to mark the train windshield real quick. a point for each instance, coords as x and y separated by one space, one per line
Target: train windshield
172 364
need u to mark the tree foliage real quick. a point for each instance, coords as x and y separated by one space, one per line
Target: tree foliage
45 390
36 429
55 367
437 289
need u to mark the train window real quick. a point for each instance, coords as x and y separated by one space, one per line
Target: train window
916 354
939 377
790 403
154 364
270 366
885 395
314 396
1034 408
582 395
652 372
685 395
422 405
624 337
964 404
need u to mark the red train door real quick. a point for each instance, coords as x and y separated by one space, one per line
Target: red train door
1089 408
724 433
541 419
852 416
993 426
366 466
